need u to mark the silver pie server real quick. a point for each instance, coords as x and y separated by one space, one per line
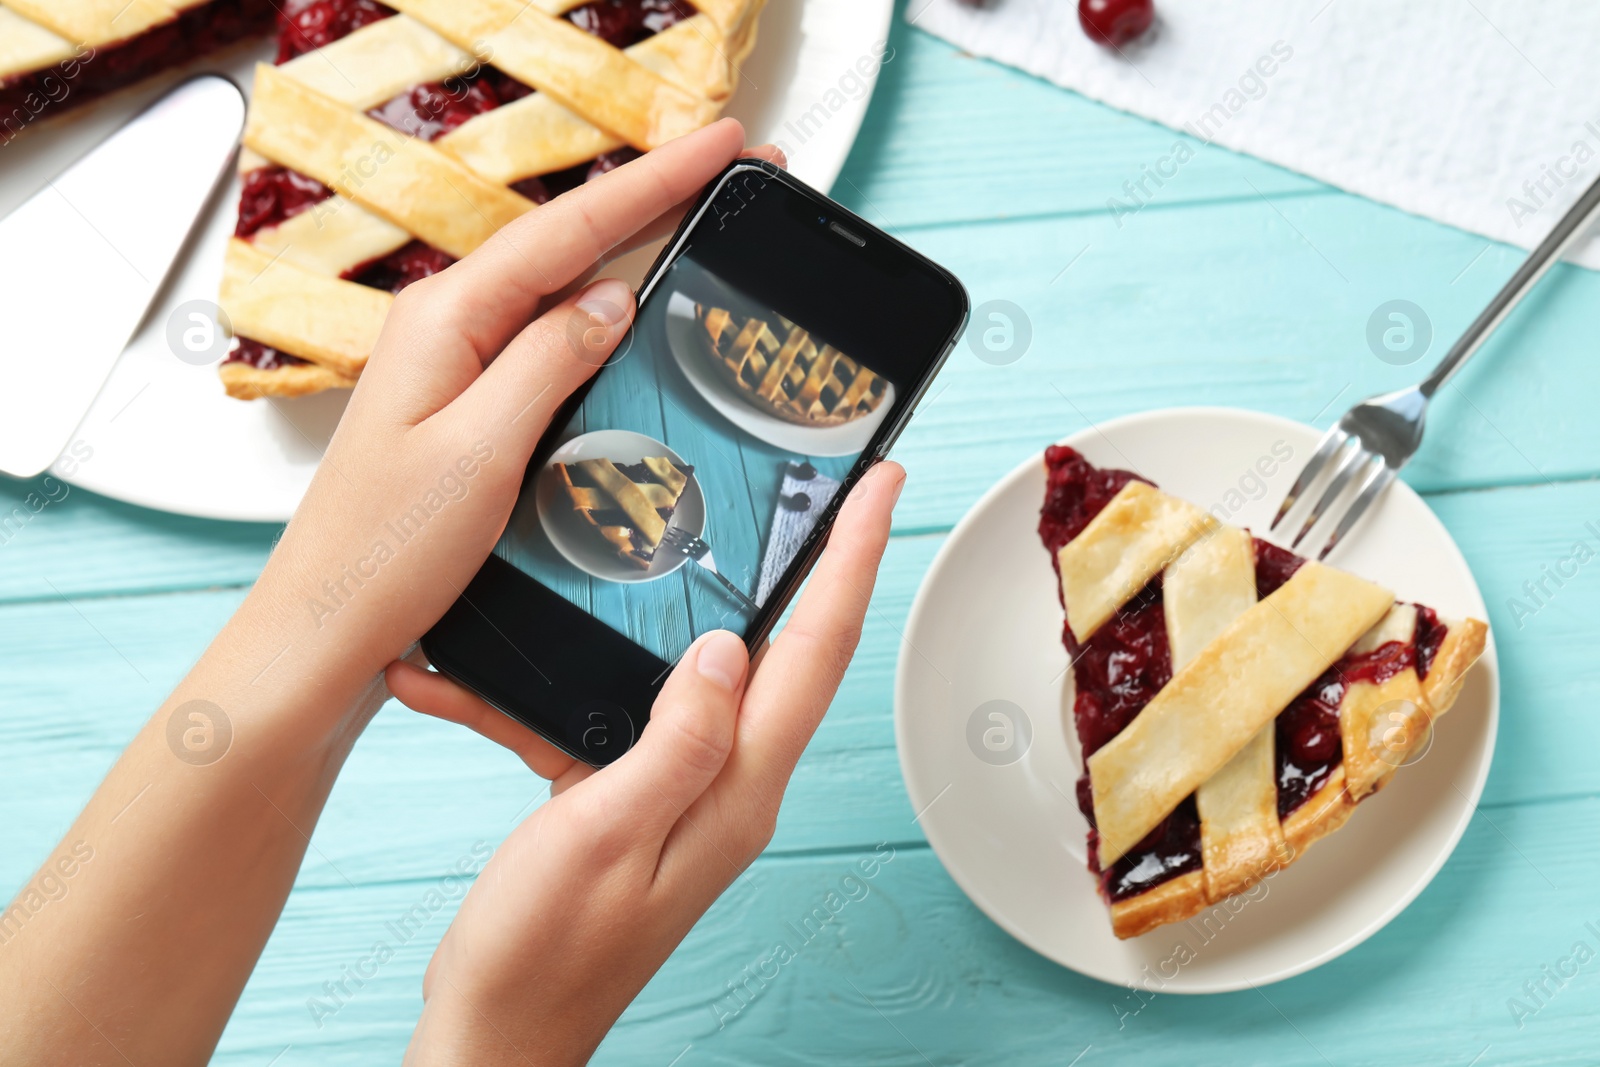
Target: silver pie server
82 260
1368 446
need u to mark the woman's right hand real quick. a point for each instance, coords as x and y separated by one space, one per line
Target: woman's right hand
585 900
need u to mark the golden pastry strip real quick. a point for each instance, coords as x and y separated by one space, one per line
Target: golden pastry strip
98 22
407 181
331 237
538 135
1204 591
628 496
582 72
1132 540
1212 707
27 46
326 320
378 62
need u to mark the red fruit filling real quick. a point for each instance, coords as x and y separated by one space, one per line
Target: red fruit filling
273 195
307 25
260 356
624 23
1126 662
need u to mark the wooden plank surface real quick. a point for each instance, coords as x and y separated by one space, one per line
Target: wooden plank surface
1211 295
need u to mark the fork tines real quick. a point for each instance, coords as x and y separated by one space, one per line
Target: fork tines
1351 463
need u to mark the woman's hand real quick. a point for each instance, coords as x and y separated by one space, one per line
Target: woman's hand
182 859
585 900
421 477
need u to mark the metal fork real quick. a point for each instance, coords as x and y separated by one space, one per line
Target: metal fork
1374 439
682 541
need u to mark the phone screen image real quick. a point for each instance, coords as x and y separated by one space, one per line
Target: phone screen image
676 496
780 345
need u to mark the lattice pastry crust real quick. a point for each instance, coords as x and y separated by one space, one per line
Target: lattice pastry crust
1241 667
628 504
788 372
292 286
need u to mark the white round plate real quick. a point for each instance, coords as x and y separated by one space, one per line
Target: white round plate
162 432
986 625
575 538
687 342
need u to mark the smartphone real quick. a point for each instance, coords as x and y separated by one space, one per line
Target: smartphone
780 346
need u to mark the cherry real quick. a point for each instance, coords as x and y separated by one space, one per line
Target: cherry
623 23
305 25
410 263
1115 22
273 194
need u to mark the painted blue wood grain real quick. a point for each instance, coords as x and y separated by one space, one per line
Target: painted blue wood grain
1210 295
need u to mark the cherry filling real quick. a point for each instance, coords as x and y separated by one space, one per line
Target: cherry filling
94 72
1309 744
400 268
1126 662
624 23
1274 566
307 25
1119 669
1076 492
273 195
260 356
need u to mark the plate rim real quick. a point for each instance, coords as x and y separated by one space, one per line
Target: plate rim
919 605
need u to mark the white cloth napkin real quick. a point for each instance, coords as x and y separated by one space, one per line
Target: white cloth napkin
790 527
1484 114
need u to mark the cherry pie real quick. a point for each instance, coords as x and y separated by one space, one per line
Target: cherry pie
792 376
1234 702
628 504
391 140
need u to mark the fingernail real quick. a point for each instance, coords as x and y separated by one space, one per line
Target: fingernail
778 155
898 489
606 302
722 659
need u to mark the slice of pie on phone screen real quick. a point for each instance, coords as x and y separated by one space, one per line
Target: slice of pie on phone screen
391 140
628 505
1234 702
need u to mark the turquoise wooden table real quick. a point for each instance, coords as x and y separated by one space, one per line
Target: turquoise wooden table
1242 285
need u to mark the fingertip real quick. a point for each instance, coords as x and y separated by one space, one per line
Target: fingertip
722 660
771 153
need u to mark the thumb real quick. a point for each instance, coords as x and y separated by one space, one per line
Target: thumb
525 384
690 733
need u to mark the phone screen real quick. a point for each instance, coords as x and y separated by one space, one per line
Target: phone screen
779 346
673 501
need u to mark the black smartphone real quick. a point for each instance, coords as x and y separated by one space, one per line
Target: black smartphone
779 348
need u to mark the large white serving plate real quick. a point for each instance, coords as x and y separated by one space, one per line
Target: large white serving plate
986 626
162 432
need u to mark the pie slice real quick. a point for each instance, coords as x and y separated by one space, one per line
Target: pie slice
783 370
1234 702
628 504
391 140
56 55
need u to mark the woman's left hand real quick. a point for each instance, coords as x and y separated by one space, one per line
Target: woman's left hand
422 474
